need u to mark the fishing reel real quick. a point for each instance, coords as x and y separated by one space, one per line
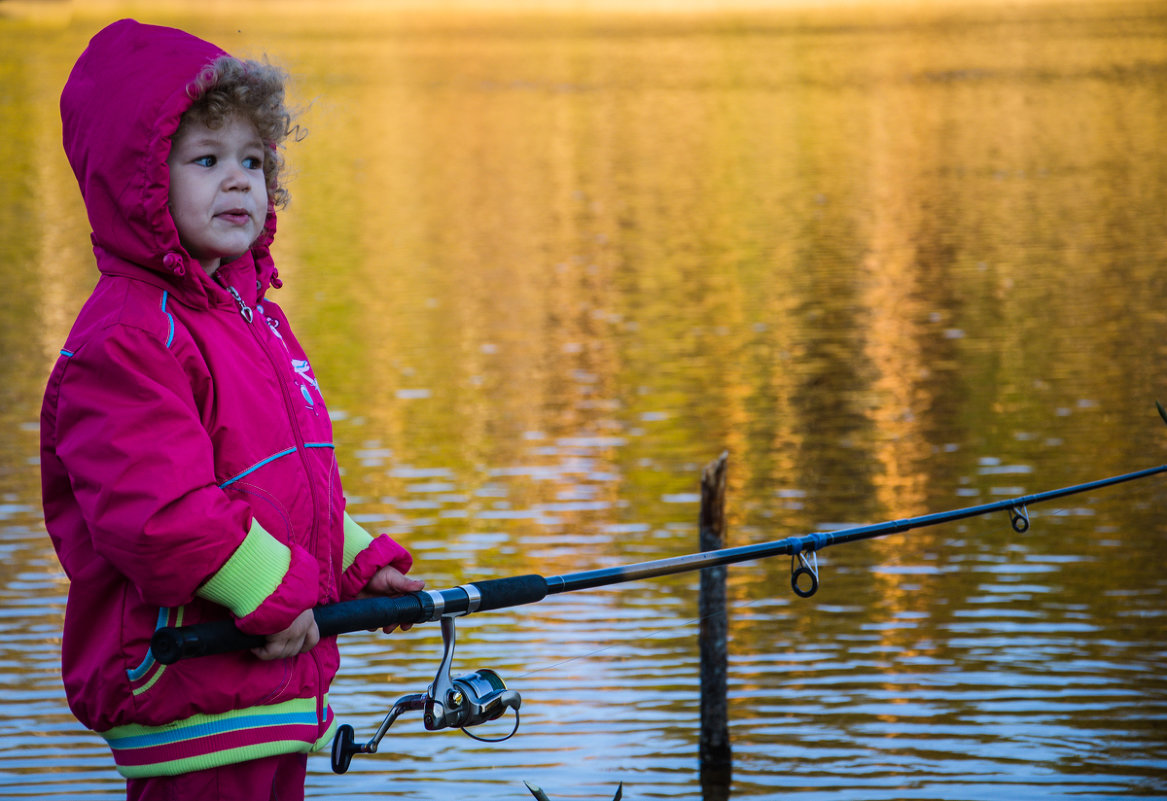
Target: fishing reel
448 703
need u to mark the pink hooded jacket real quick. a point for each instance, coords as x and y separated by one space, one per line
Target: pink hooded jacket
187 460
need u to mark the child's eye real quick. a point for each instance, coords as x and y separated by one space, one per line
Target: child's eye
204 161
253 163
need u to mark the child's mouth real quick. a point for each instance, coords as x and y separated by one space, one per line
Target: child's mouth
234 216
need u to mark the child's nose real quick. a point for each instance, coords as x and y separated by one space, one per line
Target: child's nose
237 178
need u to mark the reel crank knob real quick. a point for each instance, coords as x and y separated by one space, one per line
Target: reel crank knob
343 748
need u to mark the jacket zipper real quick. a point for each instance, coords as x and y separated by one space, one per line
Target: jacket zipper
244 309
248 316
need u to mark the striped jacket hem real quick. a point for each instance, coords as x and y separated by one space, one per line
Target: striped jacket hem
201 742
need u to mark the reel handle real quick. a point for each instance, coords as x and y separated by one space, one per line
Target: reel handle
343 748
344 745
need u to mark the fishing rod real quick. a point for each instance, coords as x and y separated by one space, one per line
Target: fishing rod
482 696
171 644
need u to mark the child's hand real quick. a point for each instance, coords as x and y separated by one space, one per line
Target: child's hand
297 638
391 581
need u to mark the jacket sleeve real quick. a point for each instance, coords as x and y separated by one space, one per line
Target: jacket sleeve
141 466
264 583
364 555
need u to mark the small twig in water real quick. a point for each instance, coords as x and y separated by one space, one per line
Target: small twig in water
537 791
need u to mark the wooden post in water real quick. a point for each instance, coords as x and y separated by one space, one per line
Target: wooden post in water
714 749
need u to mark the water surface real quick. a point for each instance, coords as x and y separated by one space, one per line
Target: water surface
549 266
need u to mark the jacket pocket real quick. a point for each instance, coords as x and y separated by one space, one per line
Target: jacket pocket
142 677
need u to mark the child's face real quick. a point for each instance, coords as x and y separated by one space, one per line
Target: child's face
218 197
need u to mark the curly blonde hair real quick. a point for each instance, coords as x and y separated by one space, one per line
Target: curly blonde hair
229 86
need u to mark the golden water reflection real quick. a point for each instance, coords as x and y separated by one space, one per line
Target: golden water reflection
549 266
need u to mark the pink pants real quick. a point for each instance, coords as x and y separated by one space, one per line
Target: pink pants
278 778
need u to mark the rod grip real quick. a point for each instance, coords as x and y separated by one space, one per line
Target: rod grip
512 591
171 644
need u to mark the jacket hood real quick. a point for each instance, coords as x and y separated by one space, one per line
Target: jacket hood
120 109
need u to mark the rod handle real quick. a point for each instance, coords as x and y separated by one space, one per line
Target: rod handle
512 591
171 644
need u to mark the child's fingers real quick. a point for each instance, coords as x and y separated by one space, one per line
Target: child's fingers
302 635
395 626
390 581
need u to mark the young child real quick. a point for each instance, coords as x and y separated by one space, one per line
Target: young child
187 461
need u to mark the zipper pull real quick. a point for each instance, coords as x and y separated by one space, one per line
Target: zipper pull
244 309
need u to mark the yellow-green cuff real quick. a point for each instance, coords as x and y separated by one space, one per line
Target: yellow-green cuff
356 539
252 573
